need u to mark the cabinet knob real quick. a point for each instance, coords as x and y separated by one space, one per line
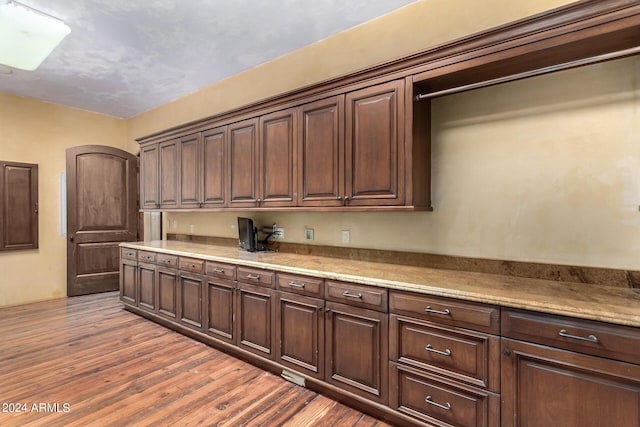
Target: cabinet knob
506 352
339 198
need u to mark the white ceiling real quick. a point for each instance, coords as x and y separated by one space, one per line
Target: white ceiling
124 57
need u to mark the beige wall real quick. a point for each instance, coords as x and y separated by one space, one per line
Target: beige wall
38 132
540 170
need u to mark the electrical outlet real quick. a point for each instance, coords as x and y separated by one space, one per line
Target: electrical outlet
346 236
308 233
192 228
279 233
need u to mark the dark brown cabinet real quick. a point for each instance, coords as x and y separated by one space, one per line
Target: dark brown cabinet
255 318
128 281
544 386
277 151
190 288
220 306
374 154
190 171
300 333
357 350
149 183
147 286
168 174
243 164
167 282
321 153
214 168
18 206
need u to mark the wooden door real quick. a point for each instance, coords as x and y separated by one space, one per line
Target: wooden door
300 333
220 305
243 164
149 184
190 299
168 174
374 165
214 159
321 153
101 213
357 342
255 319
167 281
18 206
190 171
543 386
277 175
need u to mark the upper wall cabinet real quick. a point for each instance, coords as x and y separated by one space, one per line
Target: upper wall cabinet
214 167
190 171
18 206
374 154
168 174
243 164
149 177
277 153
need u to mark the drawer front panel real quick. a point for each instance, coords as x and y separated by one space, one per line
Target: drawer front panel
463 355
191 264
303 285
221 270
357 295
165 260
146 256
127 253
433 401
255 276
471 315
584 336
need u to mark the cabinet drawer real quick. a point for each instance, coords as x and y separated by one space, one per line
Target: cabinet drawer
357 295
127 253
584 336
462 355
191 264
429 398
165 260
221 270
146 256
255 276
466 314
301 284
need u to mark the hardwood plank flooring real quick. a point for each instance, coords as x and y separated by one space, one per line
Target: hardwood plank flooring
84 361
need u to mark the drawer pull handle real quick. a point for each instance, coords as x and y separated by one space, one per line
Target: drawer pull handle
350 295
591 338
218 270
447 352
190 265
168 261
444 312
253 276
446 406
296 285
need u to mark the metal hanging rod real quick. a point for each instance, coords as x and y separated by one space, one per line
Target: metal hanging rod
532 73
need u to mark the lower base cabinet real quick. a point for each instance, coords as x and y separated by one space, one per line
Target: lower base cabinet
357 350
219 309
255 319
545 386
190 299
147 285
167 282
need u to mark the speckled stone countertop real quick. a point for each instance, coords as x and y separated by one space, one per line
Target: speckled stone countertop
603 303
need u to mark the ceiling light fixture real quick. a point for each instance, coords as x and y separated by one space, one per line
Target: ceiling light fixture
28 36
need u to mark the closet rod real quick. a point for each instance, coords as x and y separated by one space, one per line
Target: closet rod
532 73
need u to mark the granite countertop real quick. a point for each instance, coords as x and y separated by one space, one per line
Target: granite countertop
603 303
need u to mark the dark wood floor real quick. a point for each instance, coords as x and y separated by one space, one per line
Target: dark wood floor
85 361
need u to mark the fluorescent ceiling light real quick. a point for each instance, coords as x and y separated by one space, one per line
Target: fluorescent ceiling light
28 36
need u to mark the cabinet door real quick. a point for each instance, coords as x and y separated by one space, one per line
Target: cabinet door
357 342
543 386
243 164
190 299
189 171
255 319
214 149
300 333
149 177
147 286
277 152
18 206
219 303
374 166
168 174
167 280
321 153
128 282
